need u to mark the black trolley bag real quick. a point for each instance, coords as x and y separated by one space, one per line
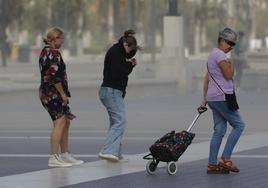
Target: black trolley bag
170 147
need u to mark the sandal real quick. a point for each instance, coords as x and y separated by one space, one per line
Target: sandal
216 169
228 164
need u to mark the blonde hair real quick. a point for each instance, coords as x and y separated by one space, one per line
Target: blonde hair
52 34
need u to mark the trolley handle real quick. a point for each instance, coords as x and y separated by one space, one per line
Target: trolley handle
201 109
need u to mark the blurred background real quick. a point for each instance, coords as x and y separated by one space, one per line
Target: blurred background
175 35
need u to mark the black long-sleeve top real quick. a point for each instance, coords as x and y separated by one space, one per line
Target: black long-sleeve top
116 68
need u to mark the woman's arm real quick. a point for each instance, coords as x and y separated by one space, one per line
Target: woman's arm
56 74
205 90
59 88
227 69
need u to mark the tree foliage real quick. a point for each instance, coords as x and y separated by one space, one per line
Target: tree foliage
107 19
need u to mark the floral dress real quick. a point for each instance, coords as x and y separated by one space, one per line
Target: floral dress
53 71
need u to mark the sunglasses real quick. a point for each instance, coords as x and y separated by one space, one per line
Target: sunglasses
229 42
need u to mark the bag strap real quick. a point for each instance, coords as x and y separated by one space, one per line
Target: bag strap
215 80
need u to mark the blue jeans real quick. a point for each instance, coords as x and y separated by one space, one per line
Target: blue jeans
222 115
113 101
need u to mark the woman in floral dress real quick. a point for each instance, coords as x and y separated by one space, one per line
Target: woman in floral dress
54 95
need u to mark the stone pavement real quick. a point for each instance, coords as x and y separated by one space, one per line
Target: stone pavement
251 156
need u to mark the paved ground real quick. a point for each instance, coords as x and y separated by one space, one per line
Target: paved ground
25 129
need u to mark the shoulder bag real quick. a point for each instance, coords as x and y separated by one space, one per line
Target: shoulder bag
229 98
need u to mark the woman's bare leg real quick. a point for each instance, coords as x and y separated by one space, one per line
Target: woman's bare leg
64 143
56 134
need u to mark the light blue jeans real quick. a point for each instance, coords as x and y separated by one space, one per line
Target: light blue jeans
222 115
113 101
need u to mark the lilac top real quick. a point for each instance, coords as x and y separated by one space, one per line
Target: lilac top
214 93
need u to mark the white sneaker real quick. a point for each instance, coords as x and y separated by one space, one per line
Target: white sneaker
56 161
109 157
68 158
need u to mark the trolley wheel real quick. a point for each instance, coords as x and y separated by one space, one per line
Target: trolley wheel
171 168
151 166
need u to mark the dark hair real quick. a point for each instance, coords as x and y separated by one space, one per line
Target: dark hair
131 41
129 32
